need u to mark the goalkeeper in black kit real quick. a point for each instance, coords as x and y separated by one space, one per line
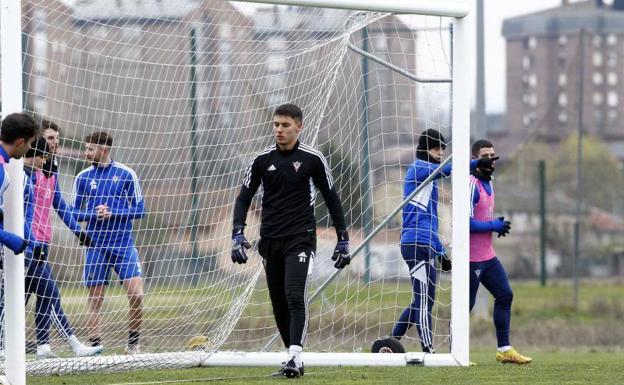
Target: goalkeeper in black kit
289 171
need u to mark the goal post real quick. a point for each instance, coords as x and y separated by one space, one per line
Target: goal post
11 94
187 89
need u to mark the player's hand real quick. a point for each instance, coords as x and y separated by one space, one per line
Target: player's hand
501 226
445 262
239 244
38 253
341 251
487 163
102 212
84 239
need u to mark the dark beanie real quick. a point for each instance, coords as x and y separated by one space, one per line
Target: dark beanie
38 148
430 139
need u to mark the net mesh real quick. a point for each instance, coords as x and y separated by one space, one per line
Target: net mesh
187 90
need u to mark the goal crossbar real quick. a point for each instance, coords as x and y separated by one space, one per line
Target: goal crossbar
457 9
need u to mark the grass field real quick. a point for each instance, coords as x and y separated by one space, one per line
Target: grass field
568 346
548 368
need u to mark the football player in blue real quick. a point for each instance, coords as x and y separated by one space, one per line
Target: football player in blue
107 196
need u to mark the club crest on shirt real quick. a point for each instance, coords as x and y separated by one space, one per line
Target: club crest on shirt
93 185
297 165
115 179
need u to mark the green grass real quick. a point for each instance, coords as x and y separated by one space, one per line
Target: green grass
548 368
544 325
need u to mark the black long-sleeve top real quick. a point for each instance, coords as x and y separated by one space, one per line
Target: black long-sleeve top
289 179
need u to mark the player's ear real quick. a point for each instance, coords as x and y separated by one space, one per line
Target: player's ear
299 125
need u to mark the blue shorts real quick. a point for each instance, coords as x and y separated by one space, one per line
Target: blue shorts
99 261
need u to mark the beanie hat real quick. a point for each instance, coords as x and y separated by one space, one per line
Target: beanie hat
430 139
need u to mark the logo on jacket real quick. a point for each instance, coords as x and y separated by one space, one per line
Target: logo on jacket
93 185
115 179
302 257
271 168
297 165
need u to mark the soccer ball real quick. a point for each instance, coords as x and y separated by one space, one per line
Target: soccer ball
200 343
387 345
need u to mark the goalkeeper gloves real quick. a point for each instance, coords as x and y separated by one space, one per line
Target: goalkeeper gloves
239 244
501 226
84 239
445 262
341 251
487 163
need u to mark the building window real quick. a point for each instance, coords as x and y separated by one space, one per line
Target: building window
563 79
612 78
380 43
533 80
225 31
561 60
597 41
611 39
563 117
597 98
563 39
532 42
612 99
526 62
597 78
597 59
276 44
526 120
612 58
612 116
277 63
563 99
598 117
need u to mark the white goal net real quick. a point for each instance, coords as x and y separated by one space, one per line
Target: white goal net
186 89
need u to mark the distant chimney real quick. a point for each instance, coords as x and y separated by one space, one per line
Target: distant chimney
618 5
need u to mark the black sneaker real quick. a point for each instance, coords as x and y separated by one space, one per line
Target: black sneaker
289 370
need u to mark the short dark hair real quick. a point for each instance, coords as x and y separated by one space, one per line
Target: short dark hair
290 110
479 144
18 126
101 138
38 148
45 124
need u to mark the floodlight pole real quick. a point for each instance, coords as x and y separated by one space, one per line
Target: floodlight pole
11 89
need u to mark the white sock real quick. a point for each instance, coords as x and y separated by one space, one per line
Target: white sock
74 342
503 349
295 351
43 349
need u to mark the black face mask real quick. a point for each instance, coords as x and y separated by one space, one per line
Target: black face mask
50 167
424 155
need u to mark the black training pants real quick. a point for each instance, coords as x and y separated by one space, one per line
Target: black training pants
287 263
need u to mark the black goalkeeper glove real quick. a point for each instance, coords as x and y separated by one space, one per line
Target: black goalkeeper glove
84 239
445 262
239 244
501 226
487 163
341 251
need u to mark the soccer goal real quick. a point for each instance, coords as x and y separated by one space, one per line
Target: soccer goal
186 89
